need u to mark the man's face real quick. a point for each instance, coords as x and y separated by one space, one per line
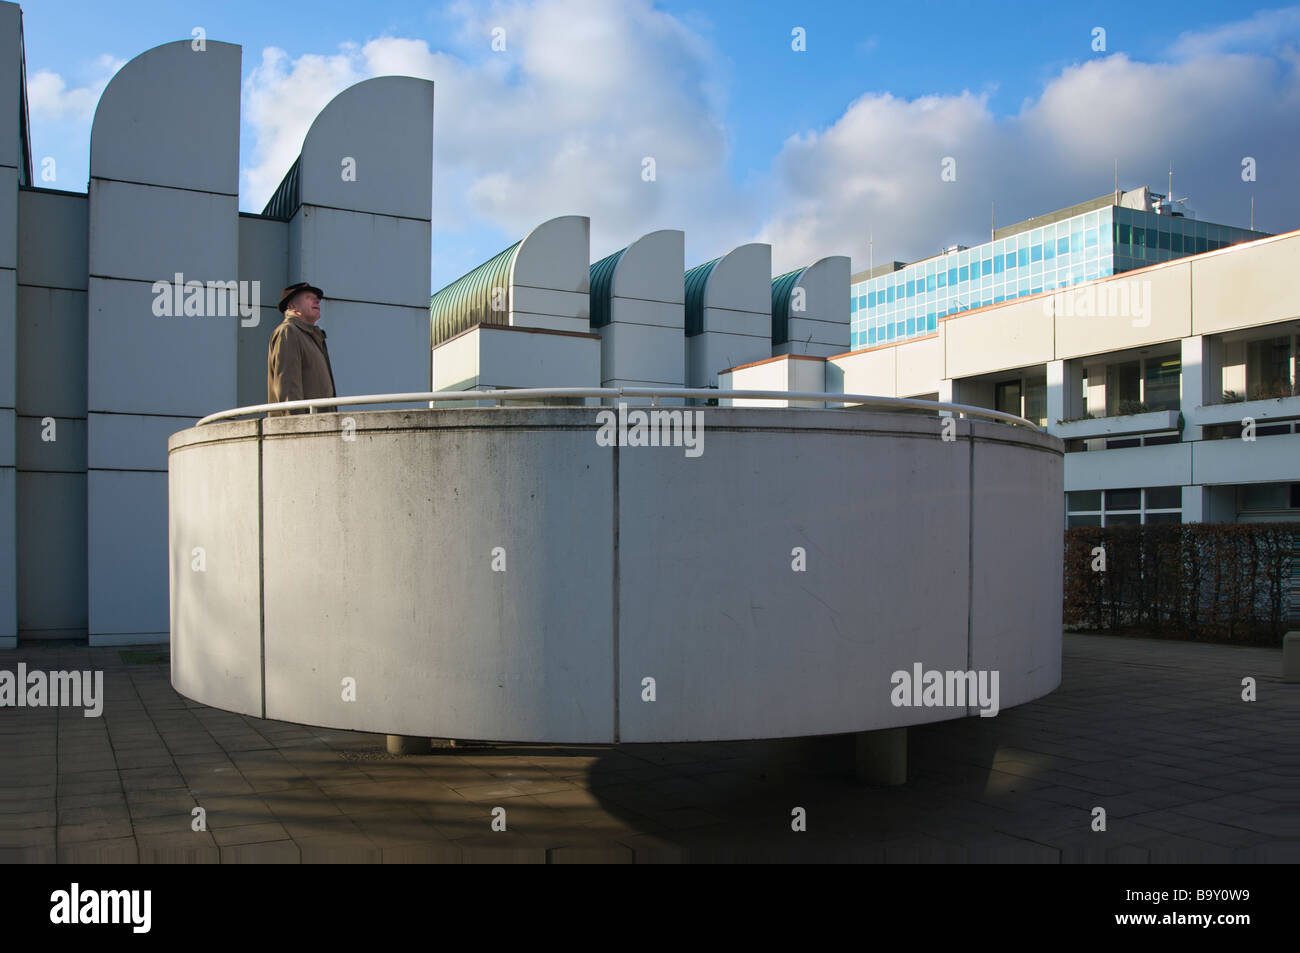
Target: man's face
305 305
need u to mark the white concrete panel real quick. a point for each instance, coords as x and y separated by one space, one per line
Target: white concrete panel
726 321
524 654
739 614
569 304
711 352
132 441
454 364
215 594
513 358
171 117
1124 311
768 375
555 254
126 557
8 217
1268 409
826 286
995 338
809 376
741 281
11 31
53 232
919 366
639 311
643 352
1168 465
652 269
51 517
8 337
264 256
64 449
141 363
363 257
51 364
374 349
385 125
1269 459
1245 286
1017 515
8 558
865 372
549 322
149 234
818 332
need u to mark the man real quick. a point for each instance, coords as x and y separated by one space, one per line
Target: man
297 360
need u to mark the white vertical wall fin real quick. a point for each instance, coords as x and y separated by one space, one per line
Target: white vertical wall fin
164 184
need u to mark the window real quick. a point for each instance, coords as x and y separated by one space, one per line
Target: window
1163 383
986 266
1036 400
1007 397
1268 368
1122 387
1164 498
1062 246
1123 500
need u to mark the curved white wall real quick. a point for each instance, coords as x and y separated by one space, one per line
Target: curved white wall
326 559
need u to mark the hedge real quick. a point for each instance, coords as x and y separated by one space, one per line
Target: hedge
1224 582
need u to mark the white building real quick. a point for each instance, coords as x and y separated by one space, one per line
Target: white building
1173 385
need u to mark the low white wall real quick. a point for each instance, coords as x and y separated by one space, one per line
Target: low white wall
769 585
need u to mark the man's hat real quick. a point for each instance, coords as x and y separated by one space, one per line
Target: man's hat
292 290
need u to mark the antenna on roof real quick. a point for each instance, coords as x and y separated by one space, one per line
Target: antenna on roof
1116 180
1252 212
993 222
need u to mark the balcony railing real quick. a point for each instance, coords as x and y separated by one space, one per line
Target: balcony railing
533 394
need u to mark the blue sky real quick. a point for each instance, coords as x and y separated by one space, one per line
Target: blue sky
809 150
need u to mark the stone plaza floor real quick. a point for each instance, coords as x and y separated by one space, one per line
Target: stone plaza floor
1154 732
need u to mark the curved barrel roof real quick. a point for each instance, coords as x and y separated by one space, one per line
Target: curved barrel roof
696 280
782 287
467 301
602 288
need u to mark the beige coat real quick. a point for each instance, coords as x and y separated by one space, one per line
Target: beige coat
298 365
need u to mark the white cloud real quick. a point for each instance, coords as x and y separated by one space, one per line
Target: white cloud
558 123
876 170
49 98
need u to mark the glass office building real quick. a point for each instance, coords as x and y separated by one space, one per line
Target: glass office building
1025 260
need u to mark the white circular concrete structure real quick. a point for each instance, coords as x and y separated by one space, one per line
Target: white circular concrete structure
503 574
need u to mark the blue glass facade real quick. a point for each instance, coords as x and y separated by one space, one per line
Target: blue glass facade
909 302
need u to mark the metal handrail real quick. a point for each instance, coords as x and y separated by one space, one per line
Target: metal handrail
655 393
